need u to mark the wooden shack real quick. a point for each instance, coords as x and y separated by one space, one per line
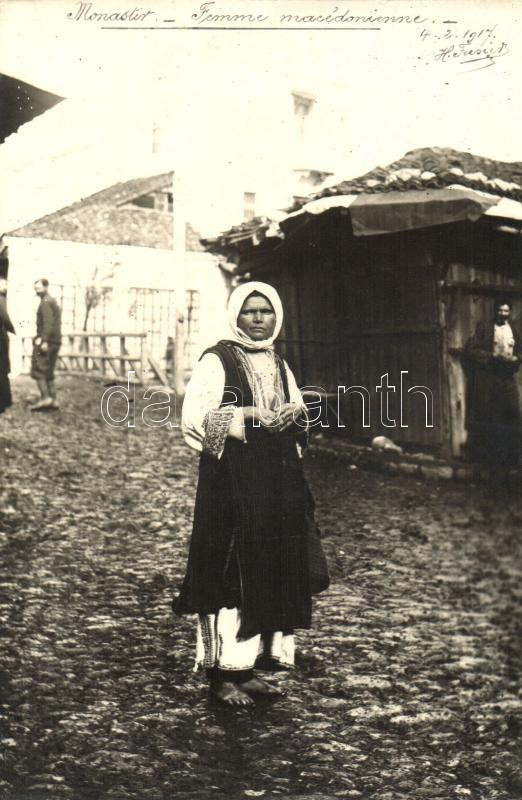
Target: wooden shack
388 275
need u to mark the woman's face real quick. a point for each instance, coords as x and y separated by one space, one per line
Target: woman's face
257 318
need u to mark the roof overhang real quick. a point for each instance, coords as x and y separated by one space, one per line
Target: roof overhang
378 213
22 102
390 212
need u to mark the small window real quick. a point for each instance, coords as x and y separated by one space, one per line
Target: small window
303 104
163 201
249 206
145 201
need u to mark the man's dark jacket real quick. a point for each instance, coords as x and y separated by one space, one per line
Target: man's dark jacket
492 403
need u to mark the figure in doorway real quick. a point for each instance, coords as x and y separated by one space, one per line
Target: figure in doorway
493 407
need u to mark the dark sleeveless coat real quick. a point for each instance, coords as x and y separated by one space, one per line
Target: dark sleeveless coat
248 546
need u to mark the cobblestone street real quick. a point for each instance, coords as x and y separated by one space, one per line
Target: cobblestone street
406 687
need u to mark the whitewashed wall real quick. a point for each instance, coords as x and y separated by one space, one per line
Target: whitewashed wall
220 147
73 263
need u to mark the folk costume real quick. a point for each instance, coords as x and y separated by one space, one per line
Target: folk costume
493 407
247 575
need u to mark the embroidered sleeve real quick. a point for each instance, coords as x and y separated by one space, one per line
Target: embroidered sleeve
205 425
216 425
202 395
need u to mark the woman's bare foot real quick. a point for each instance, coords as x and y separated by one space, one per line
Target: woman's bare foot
230 694
259 686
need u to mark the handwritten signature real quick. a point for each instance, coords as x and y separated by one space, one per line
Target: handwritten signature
478 47
468 55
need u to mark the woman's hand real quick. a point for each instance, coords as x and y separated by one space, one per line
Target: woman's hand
264 418
506 359
274 421
287 416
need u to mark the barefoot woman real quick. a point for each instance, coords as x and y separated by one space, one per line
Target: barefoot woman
247 575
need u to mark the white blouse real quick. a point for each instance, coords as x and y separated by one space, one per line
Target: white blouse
503 340
204 394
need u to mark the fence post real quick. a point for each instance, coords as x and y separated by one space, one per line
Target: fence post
25 356
143 357
85 340
179 347
72 361
122 356
103 341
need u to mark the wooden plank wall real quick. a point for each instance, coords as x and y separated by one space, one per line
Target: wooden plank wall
368 307
492 262
357 308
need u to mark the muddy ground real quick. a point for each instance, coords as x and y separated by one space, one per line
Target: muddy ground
408 685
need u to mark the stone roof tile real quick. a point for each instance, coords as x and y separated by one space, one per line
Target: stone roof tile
108 217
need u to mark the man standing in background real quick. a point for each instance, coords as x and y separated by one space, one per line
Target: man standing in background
46 346
5 326
494 354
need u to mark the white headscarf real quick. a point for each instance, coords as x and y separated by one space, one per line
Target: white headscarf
235 304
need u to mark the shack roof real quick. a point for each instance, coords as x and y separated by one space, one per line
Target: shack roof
427 186
245 234
433 168
111 217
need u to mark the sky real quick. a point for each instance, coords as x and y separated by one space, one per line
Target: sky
394 88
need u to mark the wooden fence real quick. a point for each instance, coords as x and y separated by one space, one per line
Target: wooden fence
154 311
105 353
